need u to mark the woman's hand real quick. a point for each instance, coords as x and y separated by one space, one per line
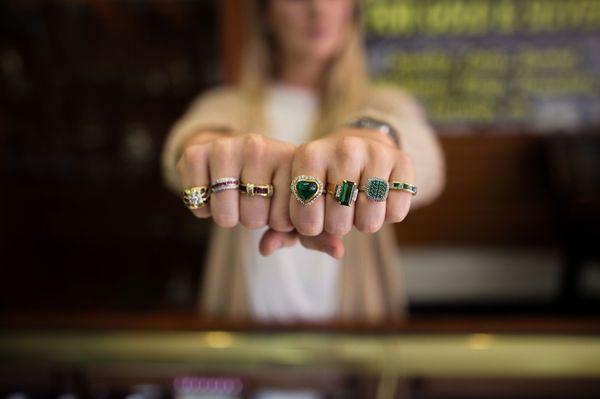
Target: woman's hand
354 155
253 158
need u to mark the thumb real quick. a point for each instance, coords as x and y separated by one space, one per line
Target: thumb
273 240
325 242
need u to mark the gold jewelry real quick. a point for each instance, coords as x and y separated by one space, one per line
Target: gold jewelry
345 193
306 189
196 197
251 189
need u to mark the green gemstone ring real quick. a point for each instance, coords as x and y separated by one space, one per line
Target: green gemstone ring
306 189
376 189
398 185
345 193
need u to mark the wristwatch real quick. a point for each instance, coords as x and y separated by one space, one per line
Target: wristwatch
375 124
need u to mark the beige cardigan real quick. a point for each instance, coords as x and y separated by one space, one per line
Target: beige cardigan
372 288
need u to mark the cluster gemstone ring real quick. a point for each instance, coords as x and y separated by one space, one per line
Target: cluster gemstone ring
196 197
344 193
376 189
251 189
306 189
225 183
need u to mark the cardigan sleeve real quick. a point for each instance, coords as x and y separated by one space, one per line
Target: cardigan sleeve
401 110
215 109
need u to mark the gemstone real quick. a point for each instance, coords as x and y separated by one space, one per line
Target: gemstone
306 189
377 189
347 193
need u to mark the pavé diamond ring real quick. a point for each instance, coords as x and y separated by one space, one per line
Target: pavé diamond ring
225 183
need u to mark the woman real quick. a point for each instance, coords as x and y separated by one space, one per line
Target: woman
287 125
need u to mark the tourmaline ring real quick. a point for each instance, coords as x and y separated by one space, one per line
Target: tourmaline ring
345 193
251 189
398 185
225 183
376 189
306 189
196 197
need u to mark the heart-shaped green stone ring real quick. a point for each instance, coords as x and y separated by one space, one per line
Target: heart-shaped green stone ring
306 189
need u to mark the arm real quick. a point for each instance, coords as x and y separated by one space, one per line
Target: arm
209 116
418 140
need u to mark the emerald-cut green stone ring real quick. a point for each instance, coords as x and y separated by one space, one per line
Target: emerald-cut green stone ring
376 189
306 189
345 193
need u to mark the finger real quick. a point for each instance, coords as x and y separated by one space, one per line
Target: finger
279 217
225 161
369 214
193 171
308 218
345 163
398 202
257 169
325 242
273 240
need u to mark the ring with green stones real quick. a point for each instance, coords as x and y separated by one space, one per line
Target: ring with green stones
306 189
345 193
376 189
398 185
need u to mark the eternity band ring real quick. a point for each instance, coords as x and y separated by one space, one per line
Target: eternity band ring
251 189
398 185
225 183
196 197
344 193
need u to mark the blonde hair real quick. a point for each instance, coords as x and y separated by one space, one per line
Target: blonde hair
342 85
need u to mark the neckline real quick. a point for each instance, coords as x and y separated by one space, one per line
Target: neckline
282 86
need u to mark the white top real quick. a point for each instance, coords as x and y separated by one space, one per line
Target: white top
293 283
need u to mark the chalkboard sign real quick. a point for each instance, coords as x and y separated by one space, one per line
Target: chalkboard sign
532 64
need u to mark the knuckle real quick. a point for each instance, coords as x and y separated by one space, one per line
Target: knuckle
339 229
222 147
193 155
225 219
255 146
307 155
368 225
282 224
347 147
201 213
308 228
398 213
253 222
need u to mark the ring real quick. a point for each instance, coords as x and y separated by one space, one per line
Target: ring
251 189
398 185
376 189
196 197
225 183
306 189
345 193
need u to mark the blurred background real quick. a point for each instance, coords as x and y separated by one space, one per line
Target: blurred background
100 265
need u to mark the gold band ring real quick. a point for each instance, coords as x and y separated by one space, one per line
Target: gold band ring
251 189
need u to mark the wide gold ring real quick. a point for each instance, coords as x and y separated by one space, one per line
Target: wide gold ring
251 189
